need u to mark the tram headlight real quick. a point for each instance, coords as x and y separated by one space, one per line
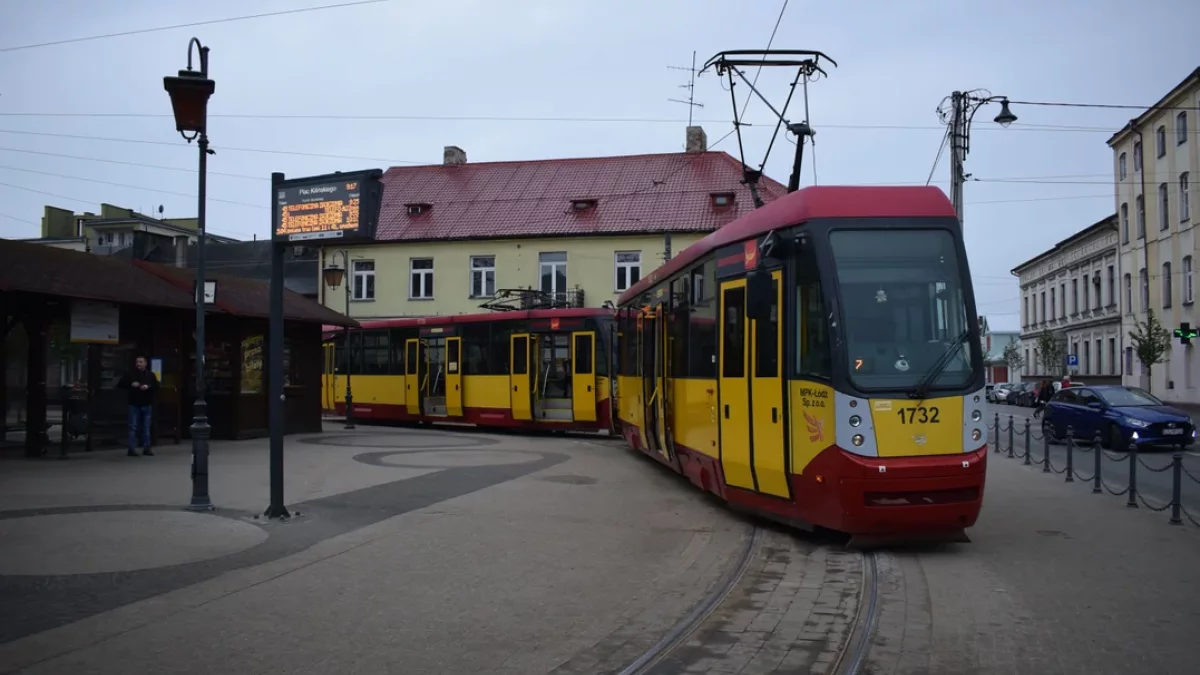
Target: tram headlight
976 415
975 434
855 420
857 440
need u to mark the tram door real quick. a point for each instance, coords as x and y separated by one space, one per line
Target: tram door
519 377
329 387
734 388
651 382
661 383
413 358
766 396
433 380
454 394
583 376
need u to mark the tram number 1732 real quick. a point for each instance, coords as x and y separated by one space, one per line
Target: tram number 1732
919 415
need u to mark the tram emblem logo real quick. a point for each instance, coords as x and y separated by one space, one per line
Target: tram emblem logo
751 254
553 324
816 428
919 439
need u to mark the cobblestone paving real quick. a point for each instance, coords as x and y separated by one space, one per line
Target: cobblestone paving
792 612
1056 581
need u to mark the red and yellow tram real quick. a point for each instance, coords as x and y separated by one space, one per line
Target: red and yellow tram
531 369
816 361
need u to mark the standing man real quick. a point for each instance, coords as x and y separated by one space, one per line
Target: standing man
140 384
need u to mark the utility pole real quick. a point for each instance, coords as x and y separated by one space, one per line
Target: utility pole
691 87
958 150
956 112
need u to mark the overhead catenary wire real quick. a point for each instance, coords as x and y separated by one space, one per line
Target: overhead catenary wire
938 158
193 24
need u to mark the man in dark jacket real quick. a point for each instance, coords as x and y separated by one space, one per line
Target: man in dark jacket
141 384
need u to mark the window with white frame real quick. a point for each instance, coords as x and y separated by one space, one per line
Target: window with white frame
1166 285
628 268
420 279
1160 141
1144 281
1164 207
1185 209
552 272
483 276
1140 206
1137 156
1181 132
1128 294
1125 223
362 276
1188 296
1121 165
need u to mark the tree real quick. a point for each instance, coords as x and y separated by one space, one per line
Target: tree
1150 342
1052 352
1012 357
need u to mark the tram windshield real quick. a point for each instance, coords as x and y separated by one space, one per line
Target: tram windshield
903 308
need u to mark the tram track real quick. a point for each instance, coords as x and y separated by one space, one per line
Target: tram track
749 574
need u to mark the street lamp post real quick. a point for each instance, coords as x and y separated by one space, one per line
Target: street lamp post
333 277
957 111
189 92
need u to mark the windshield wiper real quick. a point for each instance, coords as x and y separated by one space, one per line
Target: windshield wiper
938 366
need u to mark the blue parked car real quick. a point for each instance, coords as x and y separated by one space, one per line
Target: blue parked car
1121 415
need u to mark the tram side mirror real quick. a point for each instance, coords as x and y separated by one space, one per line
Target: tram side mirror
758 295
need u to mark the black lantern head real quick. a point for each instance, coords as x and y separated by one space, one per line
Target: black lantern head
333 276
1006 117
189 92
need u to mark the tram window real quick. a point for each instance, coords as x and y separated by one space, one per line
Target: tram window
812 325
453 356
583 354
376 358
477 348
410 358
766 339
734 343
354 366
500 339
520 356
397 347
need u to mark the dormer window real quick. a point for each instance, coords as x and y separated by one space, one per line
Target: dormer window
583 204
417 208
721 199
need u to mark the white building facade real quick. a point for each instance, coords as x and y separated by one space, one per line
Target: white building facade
1070 295
1156 169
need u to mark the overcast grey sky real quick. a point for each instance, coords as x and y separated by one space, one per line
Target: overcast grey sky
563 58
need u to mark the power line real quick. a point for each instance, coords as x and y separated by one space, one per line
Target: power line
131 187
222 148
19 220
1102 106
770 41
937 159
84 201
210 22
134 164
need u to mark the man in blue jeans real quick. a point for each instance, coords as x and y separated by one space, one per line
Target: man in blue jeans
140 384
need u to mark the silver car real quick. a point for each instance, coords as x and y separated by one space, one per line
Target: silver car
999 394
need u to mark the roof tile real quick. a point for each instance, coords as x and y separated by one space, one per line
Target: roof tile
634 193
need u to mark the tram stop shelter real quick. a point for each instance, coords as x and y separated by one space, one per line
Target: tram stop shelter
74 323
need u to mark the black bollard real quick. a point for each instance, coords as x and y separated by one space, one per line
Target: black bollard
1099 455
1176 487
1046 456
1070 454
1010 433
1133 460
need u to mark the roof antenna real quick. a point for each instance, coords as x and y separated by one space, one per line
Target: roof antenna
690 86
807 64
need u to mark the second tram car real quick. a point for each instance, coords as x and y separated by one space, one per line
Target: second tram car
817 361
533 369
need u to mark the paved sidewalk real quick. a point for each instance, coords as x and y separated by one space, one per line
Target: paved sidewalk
417 551
1057 580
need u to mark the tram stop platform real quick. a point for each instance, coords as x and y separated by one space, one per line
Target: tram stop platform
411 550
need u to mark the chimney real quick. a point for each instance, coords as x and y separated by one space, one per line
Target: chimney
453 155
697 140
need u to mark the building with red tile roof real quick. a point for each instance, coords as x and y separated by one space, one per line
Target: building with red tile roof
455 236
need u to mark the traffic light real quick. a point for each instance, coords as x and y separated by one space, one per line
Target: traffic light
1186 333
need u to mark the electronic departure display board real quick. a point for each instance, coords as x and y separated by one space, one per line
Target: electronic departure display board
333 206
